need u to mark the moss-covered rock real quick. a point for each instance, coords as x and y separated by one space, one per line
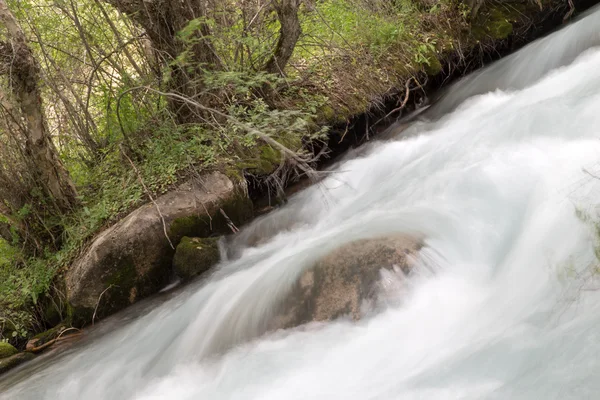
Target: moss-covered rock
11 362
7 350
238 208
195 256
133 259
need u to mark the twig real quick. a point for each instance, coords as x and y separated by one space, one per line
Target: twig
345 132
230 223
403 104
98 302
571 11
139 176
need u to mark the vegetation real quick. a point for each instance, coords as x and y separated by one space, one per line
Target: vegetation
97 96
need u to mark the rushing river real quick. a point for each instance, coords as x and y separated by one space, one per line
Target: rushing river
507 305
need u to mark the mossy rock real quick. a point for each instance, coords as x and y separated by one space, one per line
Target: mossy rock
7 350
195 256
239 209
13 361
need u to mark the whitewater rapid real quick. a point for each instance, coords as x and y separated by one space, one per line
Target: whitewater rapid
505 304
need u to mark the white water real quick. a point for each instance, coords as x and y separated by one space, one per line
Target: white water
511 310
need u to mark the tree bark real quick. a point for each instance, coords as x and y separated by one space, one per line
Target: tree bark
289 33
23 71
163 20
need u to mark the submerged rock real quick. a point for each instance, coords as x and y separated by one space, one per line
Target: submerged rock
11 362
346 280
133 258
7 350
195 256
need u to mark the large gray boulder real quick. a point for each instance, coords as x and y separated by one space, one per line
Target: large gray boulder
347 282
132 259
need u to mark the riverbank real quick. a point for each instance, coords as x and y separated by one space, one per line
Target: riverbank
355 71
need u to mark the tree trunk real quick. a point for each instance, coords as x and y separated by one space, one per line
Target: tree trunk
24 72
163 20
289 33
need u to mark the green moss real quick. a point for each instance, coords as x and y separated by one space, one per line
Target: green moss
195 256
192 225
239 209
50 334
434 67
124 275
495 23
327 113
264 159
7 350
234 173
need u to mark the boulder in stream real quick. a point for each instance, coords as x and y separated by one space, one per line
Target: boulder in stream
133 258
345 280
195 256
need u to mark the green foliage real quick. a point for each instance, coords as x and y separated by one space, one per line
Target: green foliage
22 284
342 24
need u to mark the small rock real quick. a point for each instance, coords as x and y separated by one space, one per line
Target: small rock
7 350
195 256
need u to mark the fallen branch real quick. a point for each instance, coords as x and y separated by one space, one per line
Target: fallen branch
55 340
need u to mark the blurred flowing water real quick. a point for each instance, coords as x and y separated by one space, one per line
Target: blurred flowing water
496 177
